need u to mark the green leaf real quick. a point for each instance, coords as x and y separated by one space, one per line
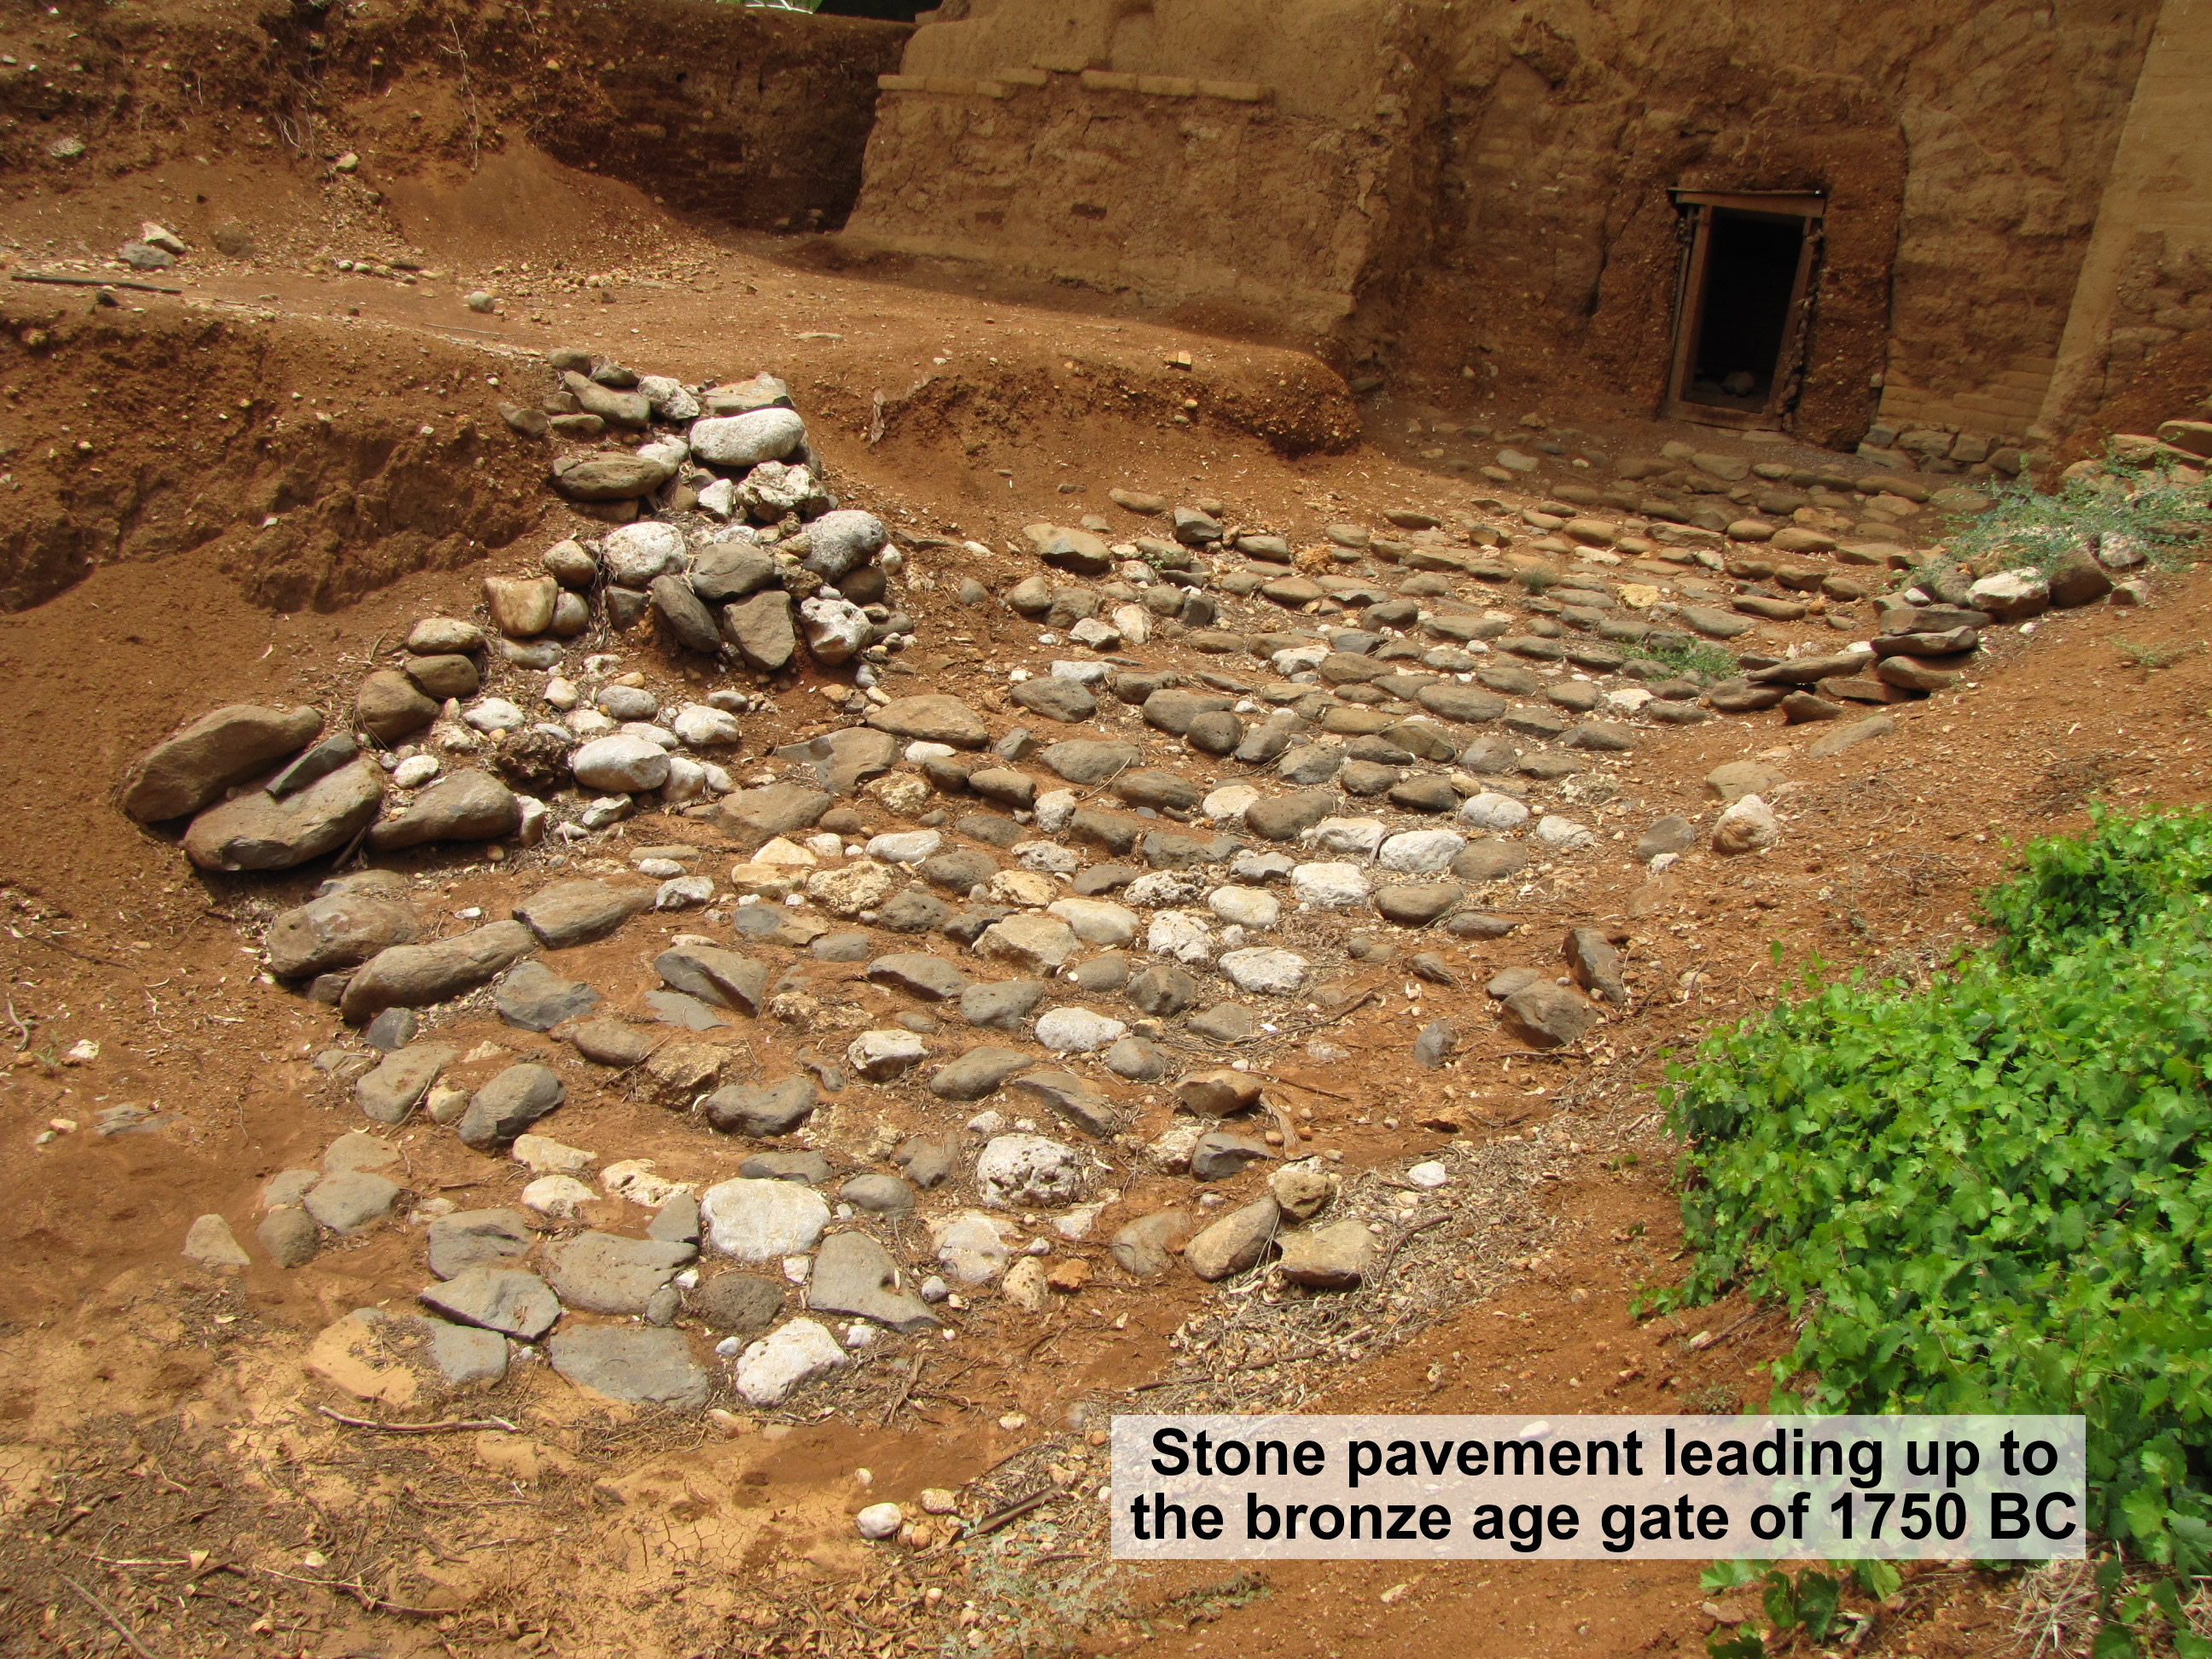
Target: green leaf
1742 1643
1878 1579
1722 1577
1817 1595
2113 1641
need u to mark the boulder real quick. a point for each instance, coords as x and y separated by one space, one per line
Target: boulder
417 975
185 771
576 912
510 1103
1235 1243
932 718
469 806
338 930
853 1274
635 1367
254 831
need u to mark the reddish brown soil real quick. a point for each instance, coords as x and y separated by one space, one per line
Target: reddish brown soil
175 1412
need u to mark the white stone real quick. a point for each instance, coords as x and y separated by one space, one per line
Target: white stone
1097 921
1266 972
746 439
1420 851
1035 941
668 397
880 1056
761 1220
1180 934
1629 699
879 1520
415 771
1158 887
922 750
1360 835
781 851
1329 886
1083 674
632 1179
1133 622
1247 907
1031 888
826 845
1047 856
684 893
1055 808
704 727
562 1197
620 763
1027 1171
1493 812
634 554
602 811
687 781
1261 867
1431 1175
1297 659
589 723
907 846
1079 1031
835 629
542 1155
493 714
646 731
974 1248
1552 830
771 1368
719 498
1228 804
1749 826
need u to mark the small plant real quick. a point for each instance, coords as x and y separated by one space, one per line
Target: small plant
2144 503
1810 1602
2151 658
1705 661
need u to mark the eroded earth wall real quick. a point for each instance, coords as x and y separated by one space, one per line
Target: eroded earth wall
1436 189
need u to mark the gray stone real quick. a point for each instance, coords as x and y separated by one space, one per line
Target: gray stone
601 1273
210 1241
1074 1100
840 542
676 1222
609 1042
853 1274
1467 704
620 764
730 570
1546 1015
609 477
879 1195
255 831
760 1110
1336 1257
468 805
926 1160
809 1169
978 1073
510 1103
1003 1005
576 912
289 1235
338 930
352 1200
188 770
932 718
477 1238
1219 1155
1162 990
931 978
753 817
722 978
1141 1248
535 998
412 976
1595 965
387 1094
1285 817
1056 699
1235 1243
1224 1023
739 1304
761 630
1028 1171
1672 834
683 616
1086 760
1138 1058
639 1367
391 1030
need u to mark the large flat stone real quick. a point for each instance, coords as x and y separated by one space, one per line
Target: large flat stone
636 1367
192 767
417 975
256 831
576 912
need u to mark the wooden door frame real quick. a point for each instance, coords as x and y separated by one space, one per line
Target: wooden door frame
1690 296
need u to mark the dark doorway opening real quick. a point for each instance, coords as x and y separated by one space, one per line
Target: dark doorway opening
1742 295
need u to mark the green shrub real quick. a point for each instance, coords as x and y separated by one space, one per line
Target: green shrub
2032 529
1987 1196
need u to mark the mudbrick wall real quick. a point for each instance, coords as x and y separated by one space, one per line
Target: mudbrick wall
1431 189
755 118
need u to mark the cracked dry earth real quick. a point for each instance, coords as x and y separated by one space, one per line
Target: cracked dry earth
878 932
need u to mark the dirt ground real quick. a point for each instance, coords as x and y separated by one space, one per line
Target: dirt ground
171 1477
